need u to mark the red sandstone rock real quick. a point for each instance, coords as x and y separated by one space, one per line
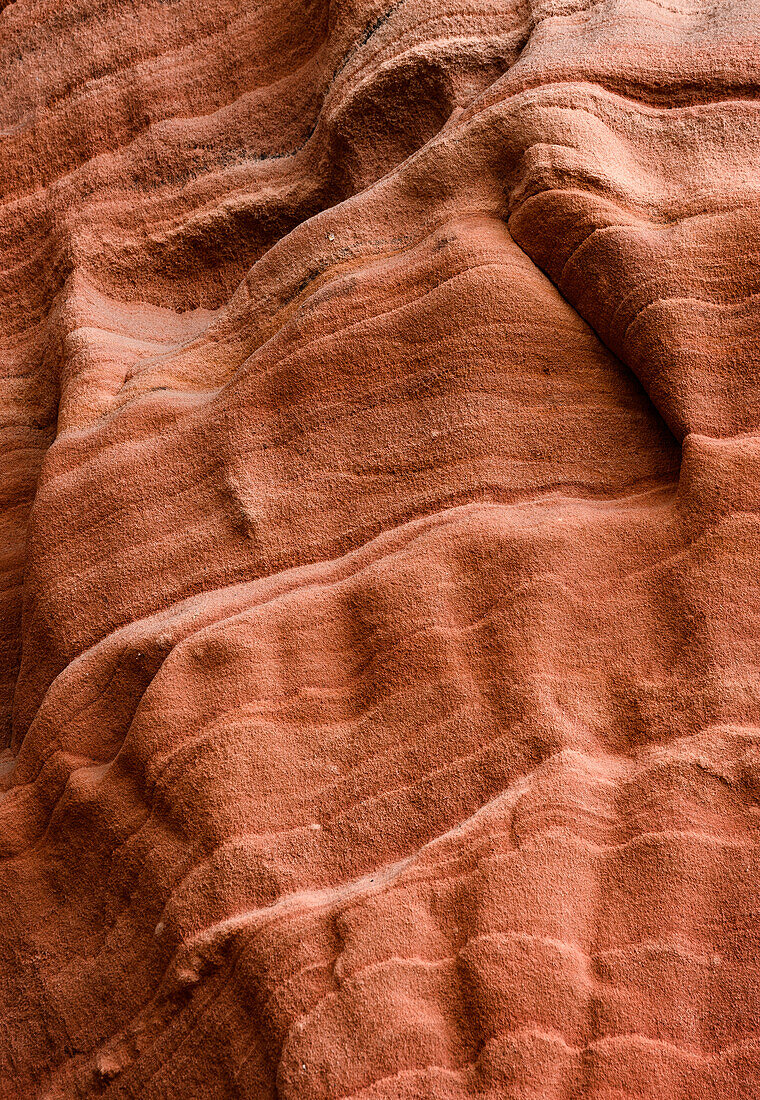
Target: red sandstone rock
380 621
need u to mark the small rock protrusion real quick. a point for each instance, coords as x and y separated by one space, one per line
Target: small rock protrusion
107 1066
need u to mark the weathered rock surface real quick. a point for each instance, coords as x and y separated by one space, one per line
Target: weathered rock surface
380 485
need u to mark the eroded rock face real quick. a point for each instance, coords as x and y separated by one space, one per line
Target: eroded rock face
381 476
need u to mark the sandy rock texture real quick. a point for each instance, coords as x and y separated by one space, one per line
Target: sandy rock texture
380 629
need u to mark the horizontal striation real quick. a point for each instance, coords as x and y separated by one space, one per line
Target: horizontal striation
379 663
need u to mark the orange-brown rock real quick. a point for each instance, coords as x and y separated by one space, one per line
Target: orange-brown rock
380 632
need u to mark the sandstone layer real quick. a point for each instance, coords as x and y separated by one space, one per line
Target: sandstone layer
380 631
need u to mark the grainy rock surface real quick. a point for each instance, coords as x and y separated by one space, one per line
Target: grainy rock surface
380 484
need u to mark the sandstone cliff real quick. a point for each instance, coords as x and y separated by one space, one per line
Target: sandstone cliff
380 631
